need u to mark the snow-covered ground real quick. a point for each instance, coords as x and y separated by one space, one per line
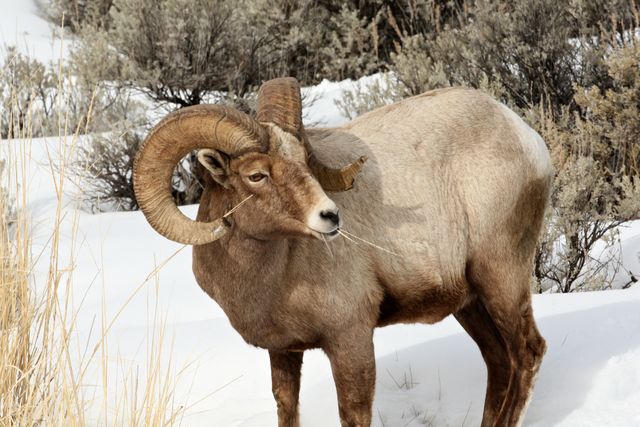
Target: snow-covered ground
427 375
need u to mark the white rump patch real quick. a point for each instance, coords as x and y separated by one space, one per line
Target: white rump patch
532 143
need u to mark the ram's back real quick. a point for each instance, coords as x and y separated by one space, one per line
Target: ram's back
449 172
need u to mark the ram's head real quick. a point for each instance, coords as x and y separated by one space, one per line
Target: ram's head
267 159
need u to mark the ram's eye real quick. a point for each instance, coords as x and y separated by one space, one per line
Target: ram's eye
257 177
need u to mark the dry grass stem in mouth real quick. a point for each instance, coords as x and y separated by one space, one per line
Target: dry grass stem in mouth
327 245
347 237
236 207
345 233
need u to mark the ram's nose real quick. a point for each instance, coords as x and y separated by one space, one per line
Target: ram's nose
331 215
325 218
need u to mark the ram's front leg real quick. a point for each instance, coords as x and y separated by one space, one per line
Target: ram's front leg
354 372
285 384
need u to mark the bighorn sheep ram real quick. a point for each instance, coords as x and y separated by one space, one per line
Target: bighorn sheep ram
453 196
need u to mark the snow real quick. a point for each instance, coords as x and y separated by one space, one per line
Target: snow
426 375
630 255
22 26
323 112
614 396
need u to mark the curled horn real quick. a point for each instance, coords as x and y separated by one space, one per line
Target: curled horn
279 102
202 126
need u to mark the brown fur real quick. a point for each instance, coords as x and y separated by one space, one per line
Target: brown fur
451 187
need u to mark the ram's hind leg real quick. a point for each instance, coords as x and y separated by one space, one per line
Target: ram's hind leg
532 350
505 294
479 325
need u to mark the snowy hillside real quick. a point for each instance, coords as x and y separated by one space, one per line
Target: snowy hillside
426 375
22 26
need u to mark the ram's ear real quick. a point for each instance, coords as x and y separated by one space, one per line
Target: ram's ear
217 163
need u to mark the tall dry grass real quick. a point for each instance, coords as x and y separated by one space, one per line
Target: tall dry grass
48 375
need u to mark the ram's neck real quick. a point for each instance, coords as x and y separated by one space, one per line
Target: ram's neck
242 274
247 278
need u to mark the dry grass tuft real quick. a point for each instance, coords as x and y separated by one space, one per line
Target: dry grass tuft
47 375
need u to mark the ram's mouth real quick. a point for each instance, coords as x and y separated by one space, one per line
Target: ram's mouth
330 235
326 235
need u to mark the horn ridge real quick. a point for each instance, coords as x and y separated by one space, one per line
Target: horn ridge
279 102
